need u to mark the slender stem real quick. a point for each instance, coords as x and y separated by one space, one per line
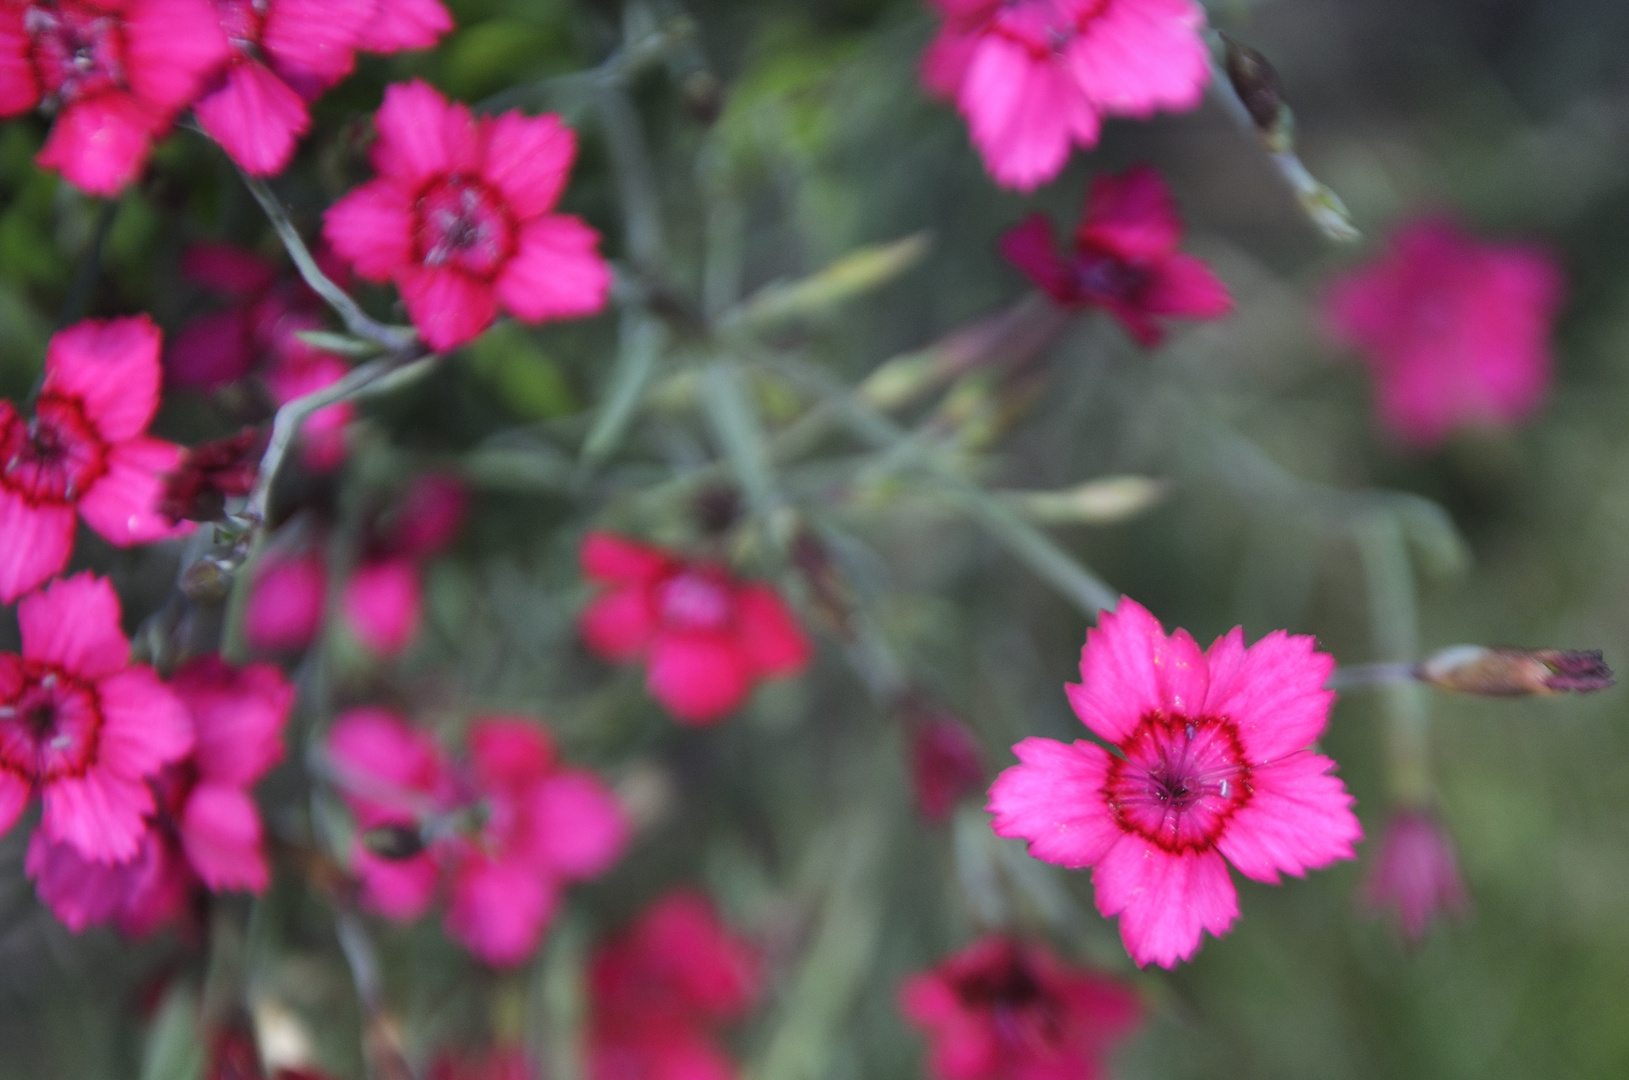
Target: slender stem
635 179
1364 676
1392 610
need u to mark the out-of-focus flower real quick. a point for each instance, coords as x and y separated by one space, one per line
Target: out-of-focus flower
945 761
660 989
706 636
541 825
1125 258
206 829
1415 876
287 592
210 472
383 599
284 53
497 1063
114 73
85 448
1456 331
461 218
1007 1010
1034 77
1497 671
1213 768
404 24
82 726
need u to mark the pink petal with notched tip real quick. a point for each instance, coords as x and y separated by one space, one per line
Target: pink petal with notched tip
1129 668
528 160
73 623
770 636
404 24
1054 799
35 542
556 271
221 834
1165 901
112 367
1299 818
449 308
255 117
1023 114
372 229
581 828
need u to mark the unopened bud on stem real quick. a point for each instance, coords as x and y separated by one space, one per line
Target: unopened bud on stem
1495 671
1259 88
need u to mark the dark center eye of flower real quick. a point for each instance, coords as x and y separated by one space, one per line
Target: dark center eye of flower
462 224
76 51
1180 780
51 728
1104 278
1045 27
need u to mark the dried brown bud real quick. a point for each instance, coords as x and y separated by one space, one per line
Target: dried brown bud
703 97
208 473
394 842
1256 83
206 582
1495 671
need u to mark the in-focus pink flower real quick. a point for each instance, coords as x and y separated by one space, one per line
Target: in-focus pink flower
1008 1010
1456 331
706 636
946 763
1415 876
82 726
660 990
113 72
1212 768
461 218
540 826
85 448
1034 77
206 830
1125 258
284 54
287 594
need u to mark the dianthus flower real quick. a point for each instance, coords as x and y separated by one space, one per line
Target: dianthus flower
82 726
1455 331
404 24
707 637
383 600
1212 768
1008 1010
287 593
461 218
540 826
659 990
1125 258
945 761
1415 875
114 73
85 448
206 830
1033 77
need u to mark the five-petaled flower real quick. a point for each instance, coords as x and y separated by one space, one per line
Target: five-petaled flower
707 636
461 218
1212 766
1456 331
82 726
1034 77
1125 258
1003 1009
114 72
86 447
510 828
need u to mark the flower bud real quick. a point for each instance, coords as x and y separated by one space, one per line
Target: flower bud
1258 87
1416 875
393 841
1494 671
208 473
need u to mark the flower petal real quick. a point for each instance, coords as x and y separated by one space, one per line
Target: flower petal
1185 286
528 160
35 542
421 136
499 909
122 505
381 604
100 143
286 602
220 831
699 677
619 625
1164 901
144 725
238 715
1023 113
1030 247
255 117
1299 818
1136 57
102 815
770 636
399 889
19 88
556 271
404 24
313 42
1055 800
74 623
449 308
580 826
1273 691
112 367
1132 215
616 560
1129 668
372 229
171 46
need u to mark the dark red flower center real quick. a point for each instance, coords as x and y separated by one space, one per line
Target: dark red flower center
695 600
78 51
1180 781
51 727
462 224
1023 1013
1101 277
1045 27
53 458
242 21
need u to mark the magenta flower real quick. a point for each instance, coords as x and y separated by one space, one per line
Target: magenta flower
404 24
660 989
287 594
1416 875
1456 331
501 1062
85 448
1008 1010
206 830
461 218
80 725
707 637
1033 77
1212 768
113 72
383 600
946 763
540 826
1125 258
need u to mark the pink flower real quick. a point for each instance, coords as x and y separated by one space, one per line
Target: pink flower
659 990
540 826
1033 77
113 72
1456 331
381 604
287 597
404 24
1007 1010
1415 875
208 473
82 726
946 763
206 830
706 636
1125 258
85 448
1212 768
284 53
460 218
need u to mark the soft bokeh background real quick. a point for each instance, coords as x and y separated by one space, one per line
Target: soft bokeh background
796 813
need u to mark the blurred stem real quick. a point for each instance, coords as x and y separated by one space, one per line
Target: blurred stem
1394 630
635 179
1365 676
566 92
725 237
77 302
643 338
381 1040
